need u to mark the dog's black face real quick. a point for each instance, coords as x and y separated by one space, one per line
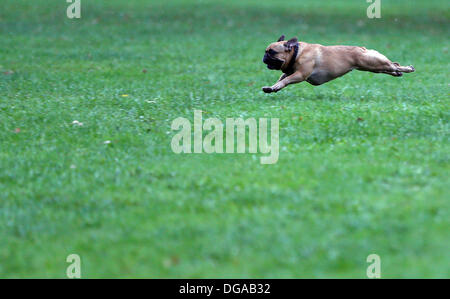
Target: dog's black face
272 62
279 52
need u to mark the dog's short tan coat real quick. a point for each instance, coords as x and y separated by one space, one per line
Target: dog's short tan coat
319 64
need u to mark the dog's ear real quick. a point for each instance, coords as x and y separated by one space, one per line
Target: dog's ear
281 38
291 43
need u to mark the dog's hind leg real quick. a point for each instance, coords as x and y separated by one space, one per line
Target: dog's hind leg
404 69
373 61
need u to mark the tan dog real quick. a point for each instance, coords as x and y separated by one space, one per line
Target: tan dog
317 64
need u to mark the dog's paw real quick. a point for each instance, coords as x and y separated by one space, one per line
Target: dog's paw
267 89
413 69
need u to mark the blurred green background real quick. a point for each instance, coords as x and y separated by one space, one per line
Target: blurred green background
364 160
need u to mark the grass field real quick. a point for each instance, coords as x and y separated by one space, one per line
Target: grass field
363 165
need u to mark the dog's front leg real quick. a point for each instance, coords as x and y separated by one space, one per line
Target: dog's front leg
282 77
296 77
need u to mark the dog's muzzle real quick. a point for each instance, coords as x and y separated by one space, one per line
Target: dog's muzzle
272 63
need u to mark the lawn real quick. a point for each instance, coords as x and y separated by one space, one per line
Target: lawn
363 165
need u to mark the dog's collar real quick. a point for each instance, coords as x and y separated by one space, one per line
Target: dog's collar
290 67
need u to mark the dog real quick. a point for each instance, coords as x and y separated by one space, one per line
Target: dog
317 64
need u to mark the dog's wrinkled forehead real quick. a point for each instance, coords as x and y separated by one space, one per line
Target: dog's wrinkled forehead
278 47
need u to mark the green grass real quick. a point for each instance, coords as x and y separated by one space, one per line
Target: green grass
341 190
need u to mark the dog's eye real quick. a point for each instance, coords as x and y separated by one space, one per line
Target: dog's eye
272 52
